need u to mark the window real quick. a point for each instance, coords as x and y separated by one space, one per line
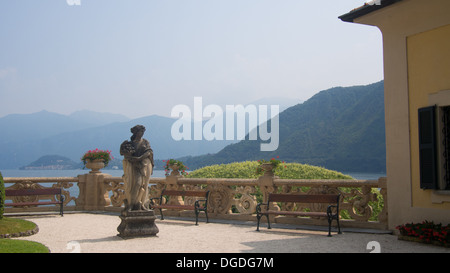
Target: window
428 148
445 144
434 147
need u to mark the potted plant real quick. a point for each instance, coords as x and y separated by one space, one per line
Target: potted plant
268 167
96 159
176 166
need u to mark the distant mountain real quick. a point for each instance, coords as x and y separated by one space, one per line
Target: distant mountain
26 138
97 119
44 124
283 103
341 128
19 127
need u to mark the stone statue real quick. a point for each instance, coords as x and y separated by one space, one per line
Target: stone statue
137 219
137 167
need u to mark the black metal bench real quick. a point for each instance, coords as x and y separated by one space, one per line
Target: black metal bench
199 205
50 192
332 199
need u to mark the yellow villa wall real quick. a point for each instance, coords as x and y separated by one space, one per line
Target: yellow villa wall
416 56
428 73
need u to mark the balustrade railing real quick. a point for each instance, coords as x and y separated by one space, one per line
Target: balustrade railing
66 183
362 202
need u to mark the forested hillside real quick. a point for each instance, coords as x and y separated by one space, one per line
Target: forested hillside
341 128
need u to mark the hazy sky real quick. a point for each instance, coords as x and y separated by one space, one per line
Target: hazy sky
143 57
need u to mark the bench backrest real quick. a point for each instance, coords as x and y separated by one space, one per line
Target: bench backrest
186 193
304 198
25 192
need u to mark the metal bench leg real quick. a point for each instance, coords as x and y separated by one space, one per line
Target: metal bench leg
61 206
339 227
268 222
258 217
162 215
196 217
206 212
330 219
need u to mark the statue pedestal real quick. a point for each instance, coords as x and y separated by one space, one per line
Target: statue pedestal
137 223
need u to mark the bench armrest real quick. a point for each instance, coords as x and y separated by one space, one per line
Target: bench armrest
197 203
258 206
330 211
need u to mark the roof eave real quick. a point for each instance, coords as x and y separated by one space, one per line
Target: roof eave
366 9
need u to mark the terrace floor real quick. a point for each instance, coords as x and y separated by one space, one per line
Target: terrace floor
97 233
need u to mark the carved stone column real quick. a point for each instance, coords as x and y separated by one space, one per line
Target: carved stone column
93 194
172 184
382 216
266 184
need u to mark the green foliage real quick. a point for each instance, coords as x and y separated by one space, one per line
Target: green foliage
377 205
2 196
21 246
247 169
9 225
304 171
232 170
15 225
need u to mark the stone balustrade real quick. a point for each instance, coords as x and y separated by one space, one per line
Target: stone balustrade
233 199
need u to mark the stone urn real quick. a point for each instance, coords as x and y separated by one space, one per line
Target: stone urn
268 169
175 169
95 165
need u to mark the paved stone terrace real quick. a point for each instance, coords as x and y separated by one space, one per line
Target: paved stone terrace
97 233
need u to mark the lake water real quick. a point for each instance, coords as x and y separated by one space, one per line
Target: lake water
119 173
66 173
366 176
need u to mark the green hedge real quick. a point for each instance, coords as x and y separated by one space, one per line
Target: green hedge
247 169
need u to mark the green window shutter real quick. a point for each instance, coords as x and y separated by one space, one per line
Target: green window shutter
427 148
